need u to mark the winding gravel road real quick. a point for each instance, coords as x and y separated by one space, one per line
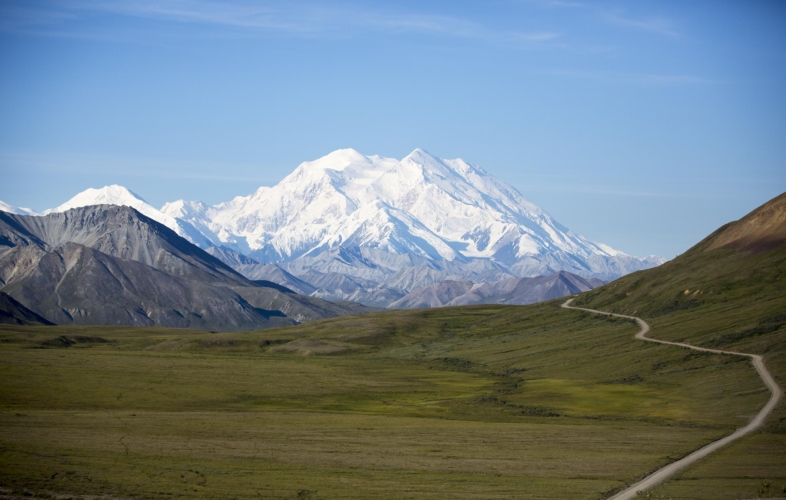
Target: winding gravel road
663 473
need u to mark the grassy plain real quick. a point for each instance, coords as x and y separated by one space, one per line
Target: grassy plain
472 402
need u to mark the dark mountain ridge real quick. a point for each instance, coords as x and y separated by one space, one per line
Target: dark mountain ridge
14 312
110 264
124 233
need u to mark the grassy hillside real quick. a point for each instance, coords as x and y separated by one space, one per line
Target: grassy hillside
728 292
472 402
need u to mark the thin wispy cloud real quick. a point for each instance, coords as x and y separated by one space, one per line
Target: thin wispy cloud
556 3
307 19
282 18
619 17
209 13
67 17
544 36
71 19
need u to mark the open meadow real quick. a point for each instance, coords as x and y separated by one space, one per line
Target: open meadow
472 402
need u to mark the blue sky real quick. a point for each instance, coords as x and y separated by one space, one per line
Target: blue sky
643 125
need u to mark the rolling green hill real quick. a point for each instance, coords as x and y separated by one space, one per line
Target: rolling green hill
727 292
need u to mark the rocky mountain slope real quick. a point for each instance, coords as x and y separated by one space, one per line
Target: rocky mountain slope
13 312
274 273
230 257
112 265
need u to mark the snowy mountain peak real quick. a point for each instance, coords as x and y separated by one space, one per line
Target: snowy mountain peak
371 228
122 196
379 212
423 164
107 195
339 159
421 156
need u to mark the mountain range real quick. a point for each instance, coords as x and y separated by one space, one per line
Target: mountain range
109 264
372 230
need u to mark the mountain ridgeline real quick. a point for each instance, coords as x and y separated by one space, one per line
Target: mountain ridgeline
372 230
110 264
741 267
371 217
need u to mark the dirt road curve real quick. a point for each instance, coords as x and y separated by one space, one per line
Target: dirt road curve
661 474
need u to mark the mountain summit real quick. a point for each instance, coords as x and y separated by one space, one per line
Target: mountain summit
124 197
370 217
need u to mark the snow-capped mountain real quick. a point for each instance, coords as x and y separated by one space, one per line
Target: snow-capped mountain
5 207
370 217
372 229
121 196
